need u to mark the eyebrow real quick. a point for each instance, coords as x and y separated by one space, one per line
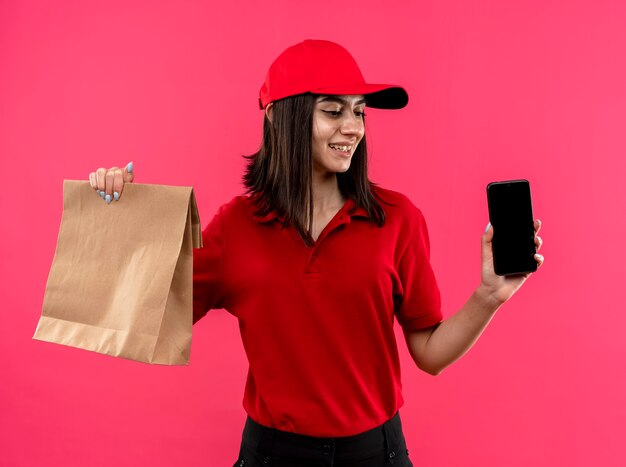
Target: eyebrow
339 100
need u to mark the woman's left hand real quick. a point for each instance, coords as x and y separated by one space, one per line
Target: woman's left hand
501 288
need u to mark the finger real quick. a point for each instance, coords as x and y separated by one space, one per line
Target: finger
485 241
537 225
488 235
92 180
539 258
100 180
110 177
538 242
128 173
118 184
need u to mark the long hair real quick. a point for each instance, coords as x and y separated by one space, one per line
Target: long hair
279 175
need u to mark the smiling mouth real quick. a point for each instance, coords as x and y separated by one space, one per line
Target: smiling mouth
340 148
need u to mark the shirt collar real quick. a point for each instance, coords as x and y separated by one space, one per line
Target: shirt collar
344 213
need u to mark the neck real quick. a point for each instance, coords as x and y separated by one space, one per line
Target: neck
326 193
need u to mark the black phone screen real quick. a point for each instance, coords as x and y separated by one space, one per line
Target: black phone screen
511 215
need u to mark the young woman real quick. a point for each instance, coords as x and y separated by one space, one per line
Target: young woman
316 262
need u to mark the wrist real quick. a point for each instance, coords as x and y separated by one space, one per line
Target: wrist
487 298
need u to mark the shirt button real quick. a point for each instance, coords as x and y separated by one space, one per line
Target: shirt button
392 454
242 463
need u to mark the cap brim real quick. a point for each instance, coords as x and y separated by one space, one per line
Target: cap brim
378 96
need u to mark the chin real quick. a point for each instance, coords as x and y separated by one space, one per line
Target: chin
339 169
334 166
344 165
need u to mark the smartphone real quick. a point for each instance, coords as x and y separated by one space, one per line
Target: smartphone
511 215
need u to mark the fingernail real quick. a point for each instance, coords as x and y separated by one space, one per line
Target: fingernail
108 199
539 257
129 167
116 195
101 194
487 228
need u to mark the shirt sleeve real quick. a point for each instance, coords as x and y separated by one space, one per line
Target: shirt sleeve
418 302
207 269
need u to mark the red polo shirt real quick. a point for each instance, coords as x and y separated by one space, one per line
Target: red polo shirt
317 322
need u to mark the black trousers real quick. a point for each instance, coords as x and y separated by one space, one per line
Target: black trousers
383 446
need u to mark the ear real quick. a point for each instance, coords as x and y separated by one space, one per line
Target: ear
268 111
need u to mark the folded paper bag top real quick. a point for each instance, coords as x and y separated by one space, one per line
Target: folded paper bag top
121 278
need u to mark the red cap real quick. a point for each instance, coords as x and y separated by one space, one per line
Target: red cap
323 67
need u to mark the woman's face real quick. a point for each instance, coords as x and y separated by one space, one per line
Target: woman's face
338 128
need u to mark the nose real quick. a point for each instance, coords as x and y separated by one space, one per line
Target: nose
352 125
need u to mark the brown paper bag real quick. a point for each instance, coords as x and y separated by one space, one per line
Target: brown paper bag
121 278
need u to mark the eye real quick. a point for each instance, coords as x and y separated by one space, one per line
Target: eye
336 113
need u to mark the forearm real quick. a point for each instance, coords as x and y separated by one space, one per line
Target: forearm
451 339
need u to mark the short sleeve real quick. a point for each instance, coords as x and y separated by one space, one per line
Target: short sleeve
418 302
207 269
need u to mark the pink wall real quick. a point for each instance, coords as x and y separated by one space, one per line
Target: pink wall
516 89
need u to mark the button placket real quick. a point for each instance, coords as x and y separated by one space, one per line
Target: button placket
340 219
334 223
310 262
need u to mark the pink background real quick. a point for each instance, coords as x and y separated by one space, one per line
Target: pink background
515 89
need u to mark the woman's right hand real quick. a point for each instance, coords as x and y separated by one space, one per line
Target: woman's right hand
109 183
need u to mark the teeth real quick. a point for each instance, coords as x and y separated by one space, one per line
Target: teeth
341 148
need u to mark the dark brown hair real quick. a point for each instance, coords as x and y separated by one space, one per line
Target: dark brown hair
279 175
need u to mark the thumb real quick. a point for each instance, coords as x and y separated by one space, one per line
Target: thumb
128 173
488 230
487 238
